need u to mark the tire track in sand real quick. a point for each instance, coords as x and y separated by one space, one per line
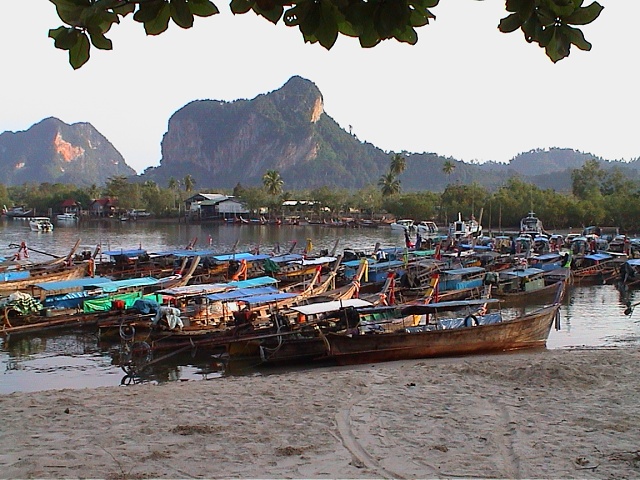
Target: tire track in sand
360 456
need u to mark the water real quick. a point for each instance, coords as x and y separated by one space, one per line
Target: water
591 317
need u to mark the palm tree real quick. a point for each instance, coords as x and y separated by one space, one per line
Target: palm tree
189 183
174 186
398 164
389 184
273 182
448 167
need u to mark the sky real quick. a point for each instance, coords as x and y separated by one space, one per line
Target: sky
465 90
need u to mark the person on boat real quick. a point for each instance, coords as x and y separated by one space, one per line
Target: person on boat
243 319
407 240
418 244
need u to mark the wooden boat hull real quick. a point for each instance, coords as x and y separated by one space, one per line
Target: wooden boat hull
53 275
528 331
526 297
280 350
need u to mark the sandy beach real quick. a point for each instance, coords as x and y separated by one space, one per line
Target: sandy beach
542 414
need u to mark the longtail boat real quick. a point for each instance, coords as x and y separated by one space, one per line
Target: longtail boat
475 333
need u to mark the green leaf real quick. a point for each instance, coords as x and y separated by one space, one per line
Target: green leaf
524 7
390 17
510 24
241 6
420 19
558 46
79 53
310 22
532 29
546 16
124 9
101 21
149 11
99 40
560 8
295 16
63 37
327 31
71 11
347 28
203 8
585 15
369 37
273 14
160 23
408 35
181 13
576 37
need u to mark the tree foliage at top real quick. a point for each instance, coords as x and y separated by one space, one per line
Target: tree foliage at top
549 23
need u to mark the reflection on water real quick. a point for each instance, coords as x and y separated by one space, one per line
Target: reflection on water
591 317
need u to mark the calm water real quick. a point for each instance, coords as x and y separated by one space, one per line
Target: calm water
592 316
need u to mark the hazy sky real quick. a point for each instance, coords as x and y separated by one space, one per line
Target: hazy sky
465 90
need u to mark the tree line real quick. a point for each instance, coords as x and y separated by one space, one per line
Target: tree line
598 197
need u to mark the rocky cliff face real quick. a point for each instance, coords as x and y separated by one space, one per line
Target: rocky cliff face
55 152
223 143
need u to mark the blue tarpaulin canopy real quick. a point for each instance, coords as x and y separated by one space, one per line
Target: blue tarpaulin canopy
190 253
17 275
249 257
77 283
259 299
125 253
253 282
463 271
598 257
116 285
241 293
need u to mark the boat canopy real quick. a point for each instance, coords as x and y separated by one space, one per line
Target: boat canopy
125 253
634 262
254 282
324 307
286 258
315 261
274 297
191 253
116 285
446 306
527 272
15 275
463 271
548 257
76 283
598 257
249 257
193 290
241 293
